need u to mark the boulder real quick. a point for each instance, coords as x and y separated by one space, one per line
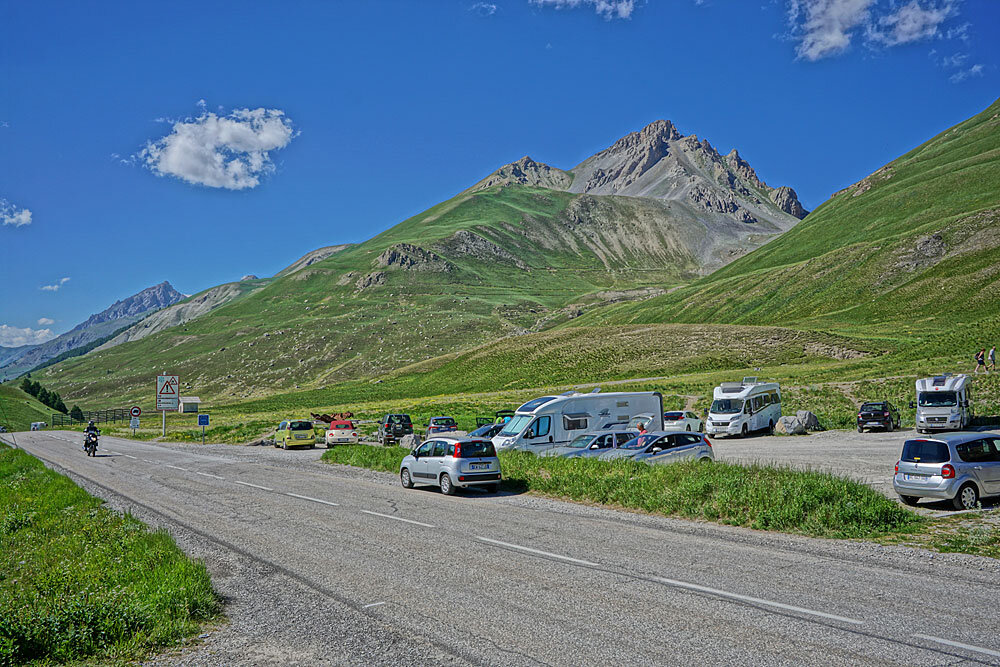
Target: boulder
809 420
409 441
790 426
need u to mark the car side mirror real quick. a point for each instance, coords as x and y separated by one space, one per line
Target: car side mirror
529 434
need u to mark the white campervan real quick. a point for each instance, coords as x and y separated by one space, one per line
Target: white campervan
553 421
944 402
740 408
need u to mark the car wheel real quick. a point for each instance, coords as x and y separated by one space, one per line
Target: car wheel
967 498
494 488
745 432
889 427
284 444
909 500
447 488
405 479
705 459
861 430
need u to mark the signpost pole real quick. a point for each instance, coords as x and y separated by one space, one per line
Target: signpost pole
203 435
164 434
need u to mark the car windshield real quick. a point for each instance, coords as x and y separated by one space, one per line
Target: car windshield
443 421
581 441
477 449
300 426
726 406
531 406
516 425
937 399
673 416
925 451
640 442
873 406
484 430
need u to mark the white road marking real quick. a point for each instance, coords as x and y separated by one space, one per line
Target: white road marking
967 647
148 461
128 455
205 474
262 488
315 500
373 604
747 598
398 518
536 551
178 468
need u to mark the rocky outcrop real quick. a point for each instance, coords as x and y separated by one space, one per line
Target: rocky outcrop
249 276
311 258
868 182
151 298
412 258
370 280
526 172
787 200
470 244
743 169
790 426
809 420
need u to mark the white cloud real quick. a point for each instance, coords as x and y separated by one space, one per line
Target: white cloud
12 215
484 8
912 22
15 337
825 27
45 321
230 152
608 9
54 287
959 77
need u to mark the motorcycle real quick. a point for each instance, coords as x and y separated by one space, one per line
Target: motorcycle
90 444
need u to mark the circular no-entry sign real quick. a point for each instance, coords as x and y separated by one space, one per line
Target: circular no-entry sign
135 411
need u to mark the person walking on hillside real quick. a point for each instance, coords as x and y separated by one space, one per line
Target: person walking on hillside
992 357
980 361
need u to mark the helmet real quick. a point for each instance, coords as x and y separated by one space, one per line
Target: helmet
91 423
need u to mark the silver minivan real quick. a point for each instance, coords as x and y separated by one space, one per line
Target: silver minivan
960 467
452 463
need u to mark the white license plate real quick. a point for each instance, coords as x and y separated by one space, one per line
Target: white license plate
342 439
479 466
915 478
873 423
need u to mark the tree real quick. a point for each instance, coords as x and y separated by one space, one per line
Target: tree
26 385
76 413
36 388
59 406
43 396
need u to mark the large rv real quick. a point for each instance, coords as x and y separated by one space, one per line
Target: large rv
740 408
553 421
944 402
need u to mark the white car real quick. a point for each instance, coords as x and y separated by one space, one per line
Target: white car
341 433
679 420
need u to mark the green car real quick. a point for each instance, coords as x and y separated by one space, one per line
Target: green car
295 433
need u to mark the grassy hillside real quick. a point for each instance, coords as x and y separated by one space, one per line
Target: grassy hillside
18 409
910 249
503 261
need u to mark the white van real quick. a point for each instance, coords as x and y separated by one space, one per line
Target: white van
740 408
553 421
944 402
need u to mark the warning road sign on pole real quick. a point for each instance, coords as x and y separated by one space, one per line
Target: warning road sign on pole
135 411
167 392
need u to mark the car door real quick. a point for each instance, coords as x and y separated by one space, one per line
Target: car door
990 471
281 434
695 422
419 469
660 450
435 463
541 438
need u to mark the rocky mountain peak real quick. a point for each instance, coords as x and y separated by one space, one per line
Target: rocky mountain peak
151 298
526 172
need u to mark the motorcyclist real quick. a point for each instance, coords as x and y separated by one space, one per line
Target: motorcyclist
91 428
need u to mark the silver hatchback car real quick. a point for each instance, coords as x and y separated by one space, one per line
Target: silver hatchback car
661 447
960 467
452 463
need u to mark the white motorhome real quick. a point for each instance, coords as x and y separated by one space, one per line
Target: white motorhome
944 402
553 421
740 408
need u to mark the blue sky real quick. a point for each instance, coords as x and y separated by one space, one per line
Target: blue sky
359 115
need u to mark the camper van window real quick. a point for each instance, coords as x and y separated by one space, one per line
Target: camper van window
574 423
533 405
775 397
542 426
765 400
726 406
758 403
515 425
937 399
748 408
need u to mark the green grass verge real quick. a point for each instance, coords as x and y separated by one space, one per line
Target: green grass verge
759 497
78 581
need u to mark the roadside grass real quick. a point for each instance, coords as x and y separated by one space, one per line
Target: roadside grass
81 582
756 496
969 533
18 409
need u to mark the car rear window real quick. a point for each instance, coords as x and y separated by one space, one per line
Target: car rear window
673 415
925 451
873 406
399 419
342 425
477 448
443 421
301 426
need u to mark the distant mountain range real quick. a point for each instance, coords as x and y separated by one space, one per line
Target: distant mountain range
117 315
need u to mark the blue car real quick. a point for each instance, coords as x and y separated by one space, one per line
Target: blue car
592 443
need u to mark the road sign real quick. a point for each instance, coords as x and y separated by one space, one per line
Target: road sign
202 420
134 423
167 392
135 411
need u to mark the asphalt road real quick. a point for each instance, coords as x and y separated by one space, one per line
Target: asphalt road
329 565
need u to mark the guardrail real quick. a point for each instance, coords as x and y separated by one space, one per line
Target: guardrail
112 415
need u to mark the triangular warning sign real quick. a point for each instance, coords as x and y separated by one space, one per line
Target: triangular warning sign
167 389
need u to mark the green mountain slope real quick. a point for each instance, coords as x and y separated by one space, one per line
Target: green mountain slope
18 409
915 244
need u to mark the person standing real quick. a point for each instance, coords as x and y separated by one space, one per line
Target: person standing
992 358
980 361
